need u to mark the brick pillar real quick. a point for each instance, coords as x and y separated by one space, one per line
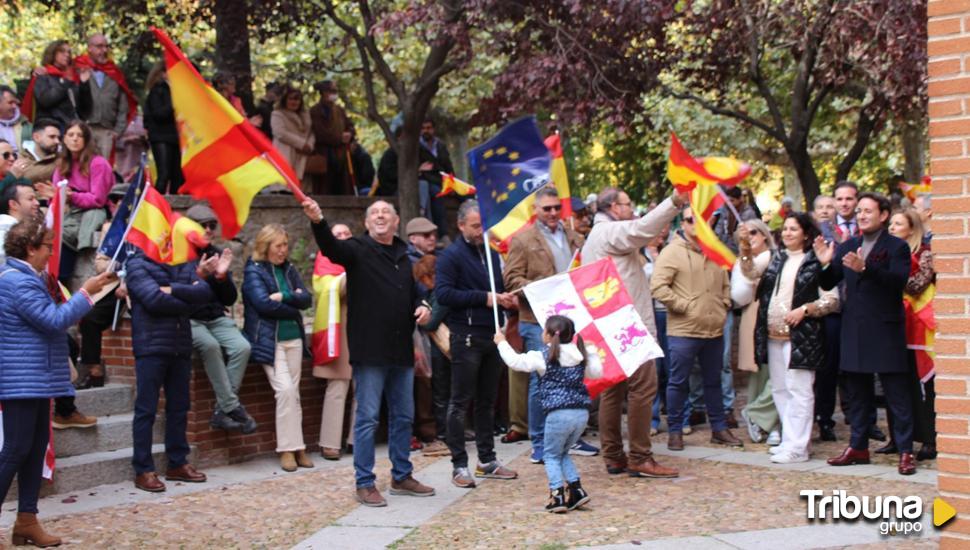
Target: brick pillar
949 132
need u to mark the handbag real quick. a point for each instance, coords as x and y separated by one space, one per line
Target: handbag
442 338
316 165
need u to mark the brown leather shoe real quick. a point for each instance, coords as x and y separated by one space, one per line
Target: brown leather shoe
650 468
185 472
907 464
27 530
149 481
370 496
732 422
675 441
849 457
330 454
411 487
725 437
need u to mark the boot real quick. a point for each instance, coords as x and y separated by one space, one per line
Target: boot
557 501
27 530
94 377
577 496
288 461
303 459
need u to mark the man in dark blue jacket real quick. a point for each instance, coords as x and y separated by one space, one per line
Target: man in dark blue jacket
382 308
462 284
875 267
162 299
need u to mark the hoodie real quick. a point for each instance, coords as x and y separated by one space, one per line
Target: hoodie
6 222
560 382
11 129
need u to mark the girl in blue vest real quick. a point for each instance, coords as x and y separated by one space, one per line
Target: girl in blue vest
562 365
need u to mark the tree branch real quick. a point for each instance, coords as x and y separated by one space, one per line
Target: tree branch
864 130
717 110
393 82
755 53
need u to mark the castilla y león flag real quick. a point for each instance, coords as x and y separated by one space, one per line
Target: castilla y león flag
594 298
225 159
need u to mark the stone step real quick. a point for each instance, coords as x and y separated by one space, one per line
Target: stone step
111 399
77 473
110 433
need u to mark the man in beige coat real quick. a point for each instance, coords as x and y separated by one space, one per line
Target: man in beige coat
697 293
617 235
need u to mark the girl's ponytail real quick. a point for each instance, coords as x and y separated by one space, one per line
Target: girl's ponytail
561 331
582 348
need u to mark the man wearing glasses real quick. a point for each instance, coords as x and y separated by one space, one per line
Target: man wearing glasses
213 333
543 250
617 235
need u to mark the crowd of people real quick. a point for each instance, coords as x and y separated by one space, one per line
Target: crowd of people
418 321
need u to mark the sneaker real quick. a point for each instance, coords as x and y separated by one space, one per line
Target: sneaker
582 448
789 457
557 501
462 478
774 438
370 496
577 496
654 431
536 456
247 422
495 470
415 444
435 448
754 431
222 421
75 420
411 487
775 450
688 430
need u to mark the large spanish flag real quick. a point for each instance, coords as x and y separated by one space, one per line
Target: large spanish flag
163 235
327 279
225 159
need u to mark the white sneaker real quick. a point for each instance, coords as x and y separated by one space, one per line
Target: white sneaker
775 450
754 431
789 457
688 430
774 438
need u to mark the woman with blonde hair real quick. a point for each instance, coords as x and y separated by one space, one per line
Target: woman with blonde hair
274 294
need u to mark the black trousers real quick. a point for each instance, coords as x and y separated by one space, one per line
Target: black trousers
923 397
475 370
440 389
861 397
828 380
26 430
168 162
93 325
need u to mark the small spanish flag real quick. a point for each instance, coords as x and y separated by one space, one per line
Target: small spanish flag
163 235
452 185
327 278
577 260
557 171
911 190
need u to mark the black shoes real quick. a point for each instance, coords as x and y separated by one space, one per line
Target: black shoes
236 420
876 433
577 496
557 501
887 449
826 433
247 423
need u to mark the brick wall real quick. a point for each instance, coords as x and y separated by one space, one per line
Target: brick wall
949 131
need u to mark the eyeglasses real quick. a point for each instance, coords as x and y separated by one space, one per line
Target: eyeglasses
689 220
210 225
552 208
618 203
9 155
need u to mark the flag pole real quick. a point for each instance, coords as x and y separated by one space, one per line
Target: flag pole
133 215
491 281
728 202
298 193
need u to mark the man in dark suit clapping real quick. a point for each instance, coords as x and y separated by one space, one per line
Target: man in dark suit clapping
875 267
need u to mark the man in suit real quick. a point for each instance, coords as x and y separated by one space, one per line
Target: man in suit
875 267
543 250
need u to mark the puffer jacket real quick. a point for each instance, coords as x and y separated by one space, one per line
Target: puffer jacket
33 343
159 321
696 291
262 313
808 337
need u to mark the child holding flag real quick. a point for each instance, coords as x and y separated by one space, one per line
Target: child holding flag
562 365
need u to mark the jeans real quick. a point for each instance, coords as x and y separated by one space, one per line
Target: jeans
396 384
532 341
727 377
683 352
563 428
475 370
440 389
152 373
660 318
26 430
210 338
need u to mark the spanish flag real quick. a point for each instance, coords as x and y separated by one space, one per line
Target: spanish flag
327 279
164 236
921 329
450 184
911 190
224 159
557 171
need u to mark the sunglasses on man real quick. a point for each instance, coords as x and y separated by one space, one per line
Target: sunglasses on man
9 155
552 208
211 226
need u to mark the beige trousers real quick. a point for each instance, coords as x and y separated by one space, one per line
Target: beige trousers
103 141
332 420
284 377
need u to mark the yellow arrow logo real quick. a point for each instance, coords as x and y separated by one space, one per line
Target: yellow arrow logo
942 512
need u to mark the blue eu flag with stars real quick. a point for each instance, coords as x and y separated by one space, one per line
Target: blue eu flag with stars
508 168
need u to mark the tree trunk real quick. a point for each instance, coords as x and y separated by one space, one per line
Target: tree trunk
407 176
801 161
232 46
914 143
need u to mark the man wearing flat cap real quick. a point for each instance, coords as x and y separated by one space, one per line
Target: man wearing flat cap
331 127
213 333
422 238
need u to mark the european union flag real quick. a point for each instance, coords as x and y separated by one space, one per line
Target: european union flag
113 244
508 168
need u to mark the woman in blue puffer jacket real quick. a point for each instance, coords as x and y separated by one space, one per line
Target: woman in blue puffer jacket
33 366
274 294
